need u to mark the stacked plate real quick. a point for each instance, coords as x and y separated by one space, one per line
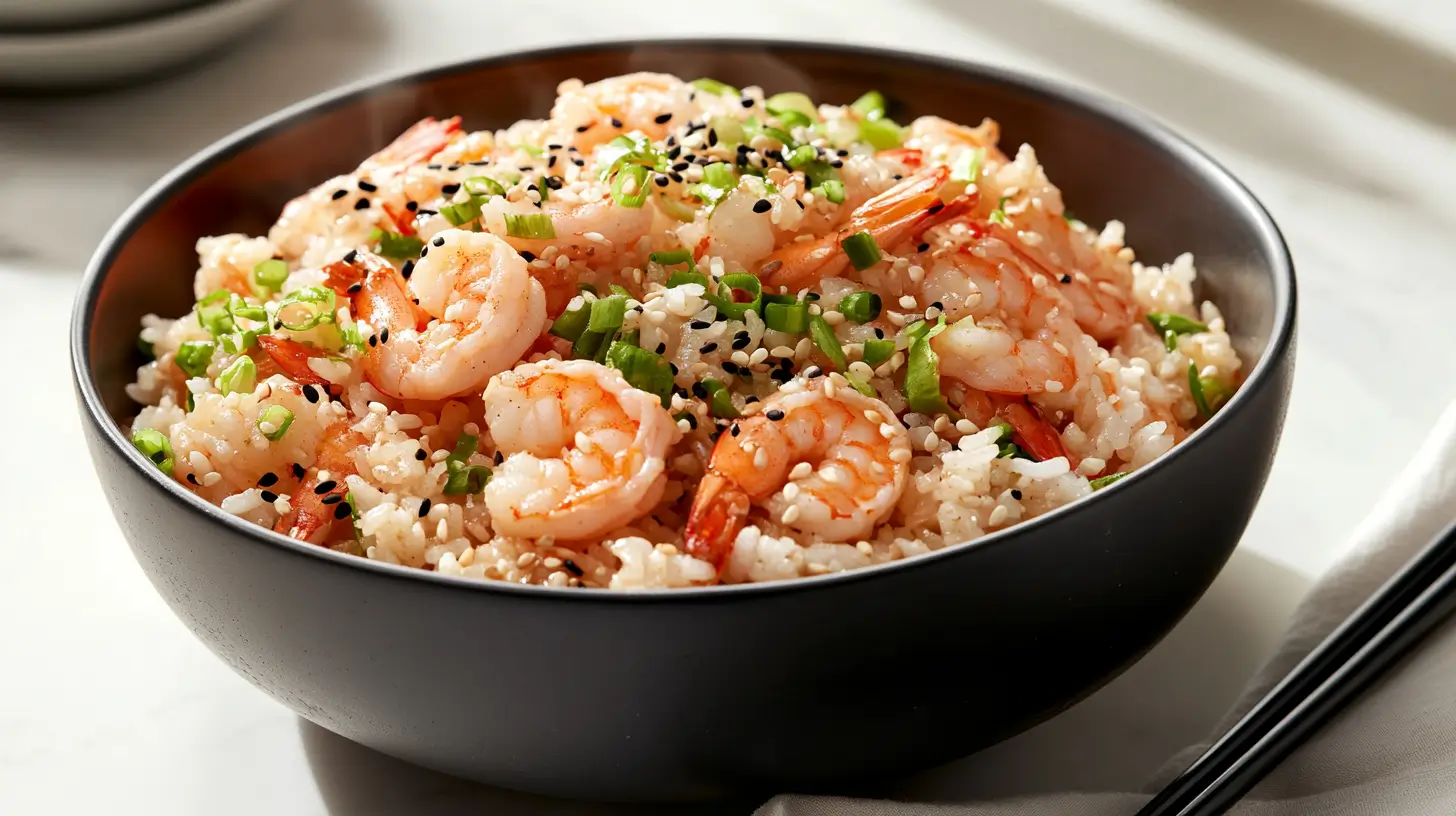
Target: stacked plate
91 43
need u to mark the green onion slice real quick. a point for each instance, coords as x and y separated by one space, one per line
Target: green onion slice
462 211
269 275
878 351
607 313
967 166
644 370
998 215
870 106
240 377
193 357
620 290
824 338
305 308
394 245
278 419
721 175
529 225
862 250
1171 325
674 257
675 209
922 369
1103 481
832 189
463 479
1208 393
860 385
213 313
792 102
861 307
792 119
483 186
238 307
155 447
629 186
714 87
882 134
682 277
787 317
720 401
588 344
727 301
801 157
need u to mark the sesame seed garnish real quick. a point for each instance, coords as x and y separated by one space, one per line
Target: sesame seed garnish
699 324
1066 279
355 288
774 414
325 487
332 498
661 348
790 515
528 256
421 455
343 511
439 241
384 335
712 137
424 251
708 348
663 118
1016 494
424 508
298 471
762 205
268 479
661 180
339 193
450 189
267 495
584 128
407 270
812 371
730 367
616 123
192 478
311 393
578 162
361 204
373 340
498 458
351 256
733 430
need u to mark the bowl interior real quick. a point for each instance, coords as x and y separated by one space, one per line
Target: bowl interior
1172 198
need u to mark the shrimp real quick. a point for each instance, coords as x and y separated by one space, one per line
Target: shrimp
585 452
319 500
1092 283
483 308
991 356
343 211
594 114
592 230
826 461
900 212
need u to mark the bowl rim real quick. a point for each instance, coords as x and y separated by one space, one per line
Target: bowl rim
1088 102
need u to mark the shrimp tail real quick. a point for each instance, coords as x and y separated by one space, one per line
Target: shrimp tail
719 511
312 517
291 357
422 140
1035 434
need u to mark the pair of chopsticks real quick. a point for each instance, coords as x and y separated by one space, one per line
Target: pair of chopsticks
1406 609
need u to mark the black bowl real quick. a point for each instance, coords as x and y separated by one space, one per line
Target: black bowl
822 683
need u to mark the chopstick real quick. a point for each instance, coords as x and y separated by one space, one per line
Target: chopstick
1411 604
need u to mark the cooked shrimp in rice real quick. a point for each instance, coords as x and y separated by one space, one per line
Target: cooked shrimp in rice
675 333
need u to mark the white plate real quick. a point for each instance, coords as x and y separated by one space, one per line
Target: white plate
116 54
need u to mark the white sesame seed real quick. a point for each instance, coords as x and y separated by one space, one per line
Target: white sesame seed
966 426
790 515
740 357
829 474
900 455
878 468
861 368
887 431
1052 386
931 442
801 470
864 547
551 562
872 415
814 309
758 356
667 549
791 491
895 318
916 273
760 459
211 479
682 425
833 318
998 515
782 351
907 302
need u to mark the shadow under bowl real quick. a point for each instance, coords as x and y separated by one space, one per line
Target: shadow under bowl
825 683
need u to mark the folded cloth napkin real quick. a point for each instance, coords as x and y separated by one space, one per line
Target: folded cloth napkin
1392 752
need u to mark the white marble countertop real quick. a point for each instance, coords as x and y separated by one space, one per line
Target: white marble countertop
1340 119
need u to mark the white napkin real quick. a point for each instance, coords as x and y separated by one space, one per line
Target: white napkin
1392 752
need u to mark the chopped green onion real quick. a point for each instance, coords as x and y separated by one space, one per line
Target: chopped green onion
674 257
239 342
861 307
633 177
792 102
643 370
146 348
779 135
730 306
1171 325
193 357
683 277
571 323
607 314
824 338
787 317
998 215
240 377
1103 481
720 174
532 150
631 338
922 369
882 134
1011 450
859 384
620 290
714 87
350 336
464 479
529 225
213 313
155 447
269 275
729 130
191 401
238 307
543 189
394 245
462 212
675 209
801 156
878 351
276 417
816 174
1005 432
967 167
586 287
720 401
792 119
862 250
316 303
354 521
870 106
483 186
588 345
1207 392
832 189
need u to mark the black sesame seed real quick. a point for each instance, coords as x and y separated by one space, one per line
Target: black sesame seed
700 391
744 150
343 511
192 478
424 251
572 568
553 146
384 335
661 348
268 496
310 393
439 241
708 349
699 324
730 367
355 288
298 471
673 368
435 166
712 137
837 163
935 208
1066 279
811 297
326 486
781 375
749 400
922 247
340 193
407 270
268 479
1016 494
774 414
692 421
674 153
421 455
746 102
452 168
411 205
584 128
526 168
897 177
424 508
350 256
367 187
373 340
578 162
332 498
450 189
841 153
661 180
499 457
879 334
741 342
662 118
733 429
551 162
555 182
762 205
361 204
677 177
938 305
616 123
812 371
528 256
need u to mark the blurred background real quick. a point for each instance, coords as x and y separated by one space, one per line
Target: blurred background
1339 114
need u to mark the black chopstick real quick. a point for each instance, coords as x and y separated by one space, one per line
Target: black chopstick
1378 634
